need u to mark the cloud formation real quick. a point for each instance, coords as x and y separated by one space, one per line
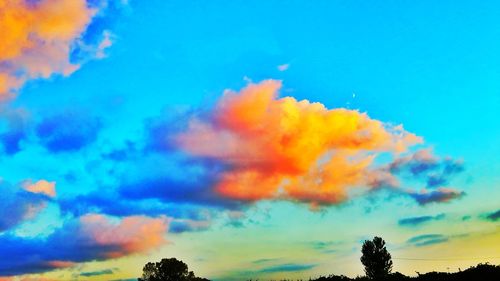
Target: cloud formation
494 216
23 202
42 187
188 225
97 273
90 237
424 164
68 131
415 221
427 239
289 267
295 150
425 197
38 38
13 129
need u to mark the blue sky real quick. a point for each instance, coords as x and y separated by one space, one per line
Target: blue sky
110 124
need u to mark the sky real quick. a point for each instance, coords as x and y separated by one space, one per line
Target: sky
250 139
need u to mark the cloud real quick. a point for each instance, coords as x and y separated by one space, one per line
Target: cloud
191 189
283 67
289 267
68 131
261 261
38 38
439 195
493 216
323 246
97 273
424 164
13 129
87 238
41 186
161 132
187 225
113 204
415 221
427 239
19 204
281 148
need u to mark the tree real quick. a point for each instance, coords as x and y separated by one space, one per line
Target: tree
170 269
376 258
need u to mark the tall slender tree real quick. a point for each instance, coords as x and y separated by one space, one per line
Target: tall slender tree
376 259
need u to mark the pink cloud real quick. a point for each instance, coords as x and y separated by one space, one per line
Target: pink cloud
41 186
134 234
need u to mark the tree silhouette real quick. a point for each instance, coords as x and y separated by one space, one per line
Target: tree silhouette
170 269
376 258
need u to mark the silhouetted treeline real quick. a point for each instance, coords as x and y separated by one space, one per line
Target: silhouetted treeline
376 260
480 272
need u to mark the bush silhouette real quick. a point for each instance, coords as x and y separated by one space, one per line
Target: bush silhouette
170 269
376 258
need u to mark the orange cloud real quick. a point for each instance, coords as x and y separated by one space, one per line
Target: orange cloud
285 148
134 234
41 186
61 264
37 39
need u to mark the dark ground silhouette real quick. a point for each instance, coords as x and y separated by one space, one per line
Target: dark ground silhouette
480 272
376 260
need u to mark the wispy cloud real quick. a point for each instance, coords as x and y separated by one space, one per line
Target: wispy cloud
427 239
97 273
283 67
415 221
289 267
424 164
439 195
261 261
494 216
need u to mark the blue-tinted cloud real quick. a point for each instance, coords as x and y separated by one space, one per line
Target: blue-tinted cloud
415 221
325 247
184 225
160 132
435 196
13 130
261 261
129 151
18 204
97 273
88 238
422 164
68 131
289 267
195 190
493 216
111 203
427 239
